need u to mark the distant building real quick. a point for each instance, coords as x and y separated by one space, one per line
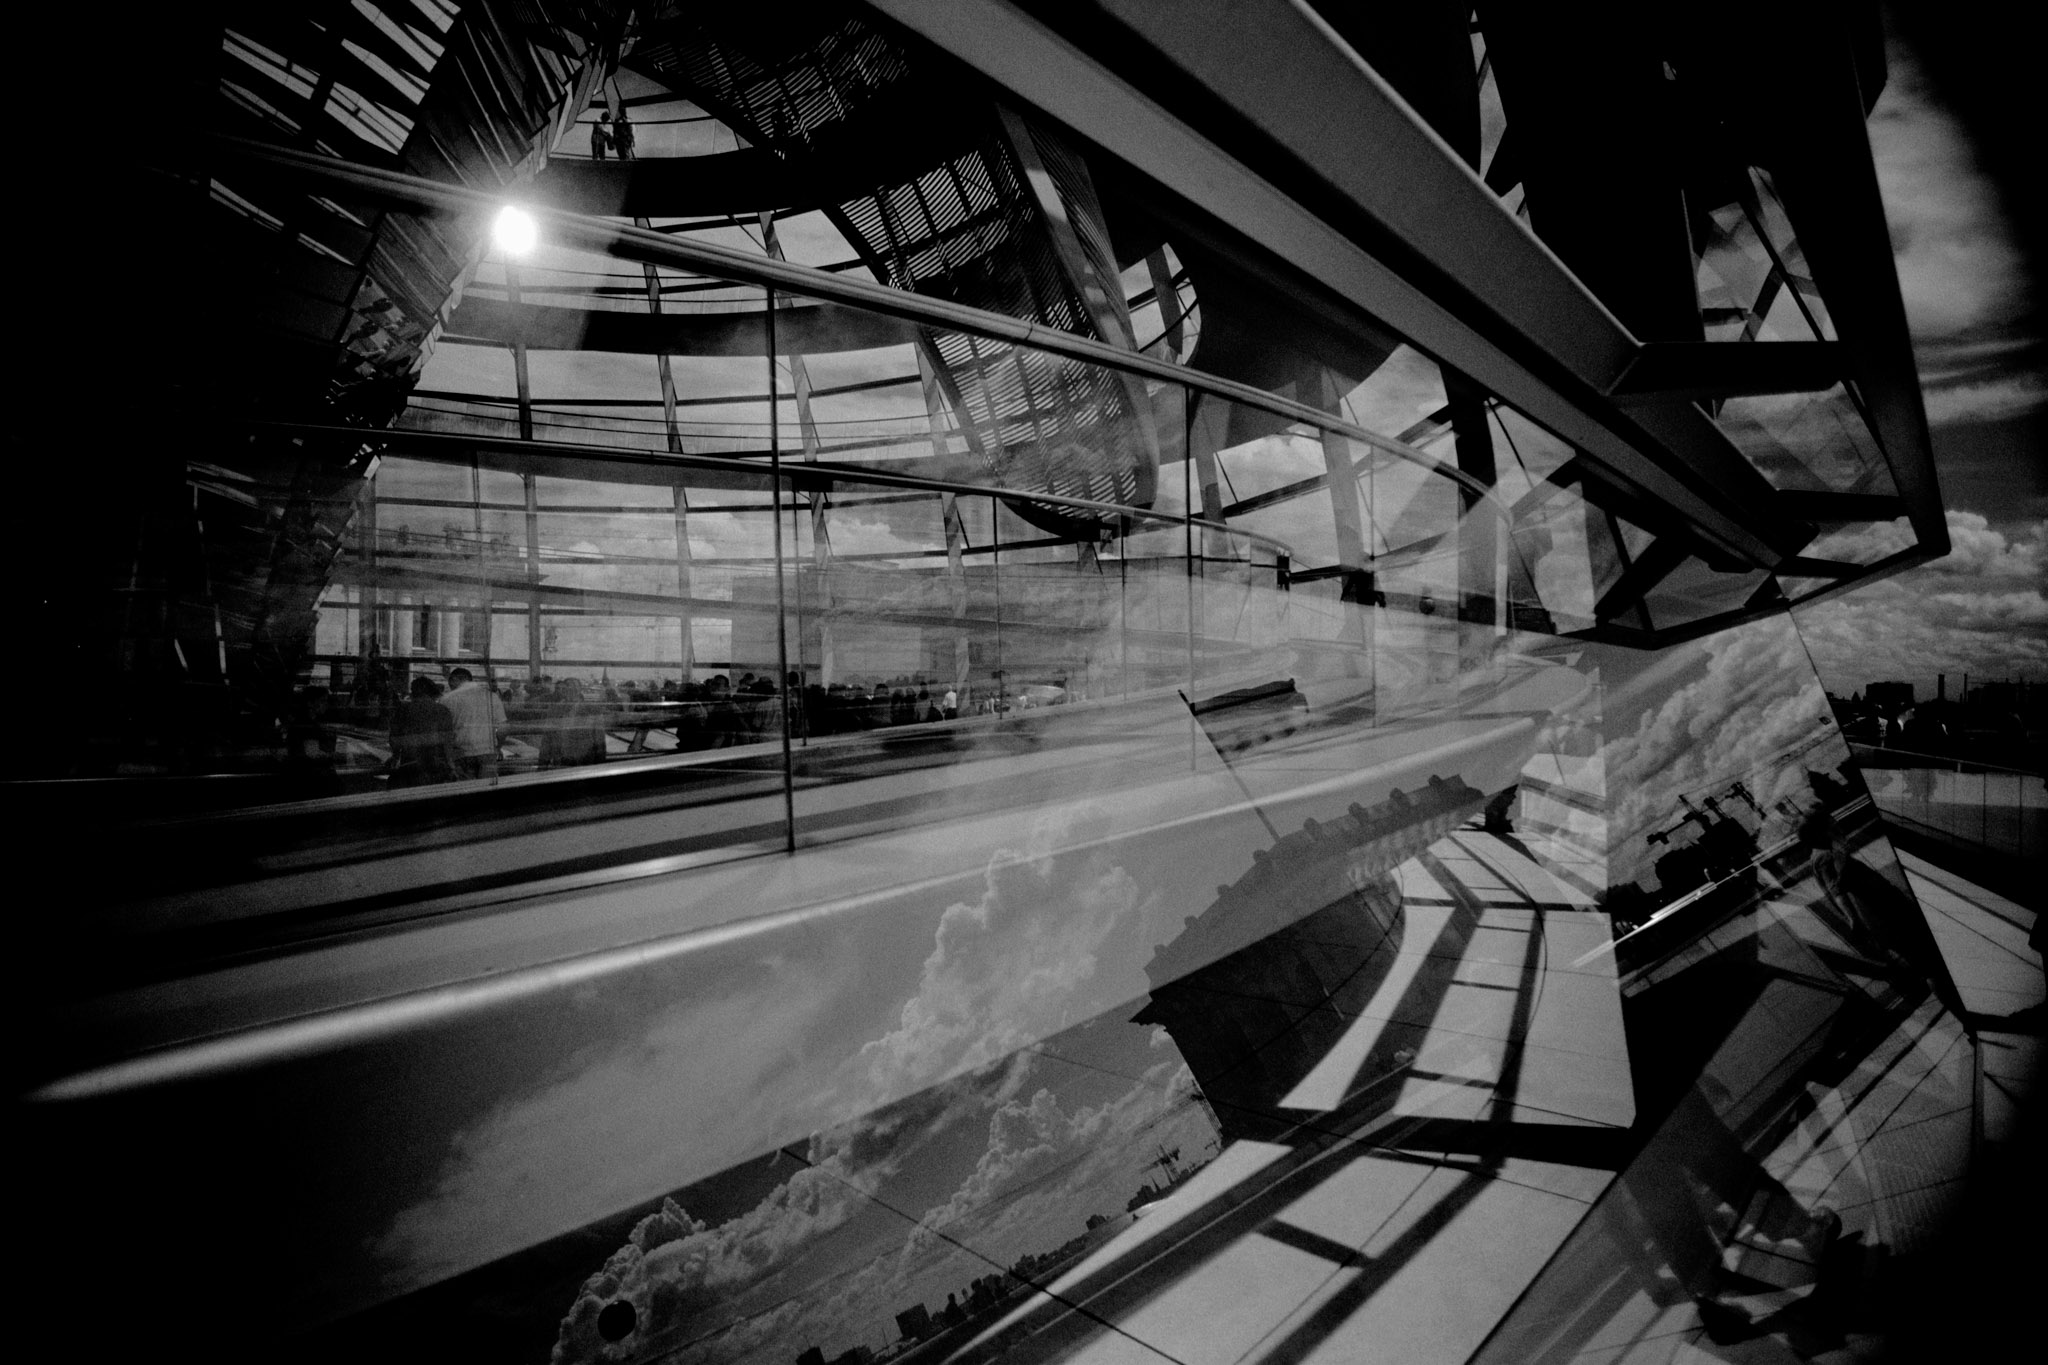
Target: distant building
1889 697
915 1322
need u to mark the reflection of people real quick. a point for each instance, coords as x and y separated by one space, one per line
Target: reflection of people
479 721
309 746
723 720
577 735
1708 1202
601 137
422 738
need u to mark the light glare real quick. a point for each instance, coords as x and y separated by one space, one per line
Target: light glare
515 232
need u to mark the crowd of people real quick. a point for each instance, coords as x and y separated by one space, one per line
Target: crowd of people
463 730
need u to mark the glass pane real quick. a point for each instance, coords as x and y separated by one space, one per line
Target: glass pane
1102 1044
458 627
1810 441
1228 888
1797 589
1863 542
938 628
1753 280
1696 590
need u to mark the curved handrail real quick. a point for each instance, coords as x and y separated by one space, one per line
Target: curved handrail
417 441
650 247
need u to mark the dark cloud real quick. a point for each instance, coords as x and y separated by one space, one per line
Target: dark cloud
1960 270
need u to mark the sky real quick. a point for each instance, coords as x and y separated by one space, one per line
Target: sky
1975 317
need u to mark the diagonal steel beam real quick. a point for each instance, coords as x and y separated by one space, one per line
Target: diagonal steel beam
1194 95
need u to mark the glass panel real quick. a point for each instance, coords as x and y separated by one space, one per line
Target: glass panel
1214 911
1397 1004
972 627
1402 397
1753 280
1695 590
1251 471
1864 542
1797 589
466 629
1811 441
1998 809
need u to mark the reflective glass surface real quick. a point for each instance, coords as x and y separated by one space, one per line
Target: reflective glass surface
1817 441
1079 801
1298 994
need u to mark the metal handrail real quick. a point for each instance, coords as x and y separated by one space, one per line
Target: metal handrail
423 443
1950 761
650 247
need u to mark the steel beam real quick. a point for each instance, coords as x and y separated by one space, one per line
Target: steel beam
1428 251
1684 371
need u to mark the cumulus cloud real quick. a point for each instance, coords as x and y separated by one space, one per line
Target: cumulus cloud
1980 609
1756 714
699 1293
1005 970
754 1050
695 1289
906 530
1025 1141
675 1271
1046 1167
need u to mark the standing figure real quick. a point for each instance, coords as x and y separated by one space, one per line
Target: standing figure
422 738
622 136
479 724
601 137
577 733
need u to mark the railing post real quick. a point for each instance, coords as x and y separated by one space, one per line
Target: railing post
781 610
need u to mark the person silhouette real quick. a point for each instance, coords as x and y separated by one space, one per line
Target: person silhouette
422 738
601 137
622 136
479 724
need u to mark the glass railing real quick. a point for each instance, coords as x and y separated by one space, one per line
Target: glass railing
834 586
801 558
1960 800
634 660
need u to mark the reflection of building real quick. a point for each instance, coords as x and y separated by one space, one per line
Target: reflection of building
1312 403
1247 988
